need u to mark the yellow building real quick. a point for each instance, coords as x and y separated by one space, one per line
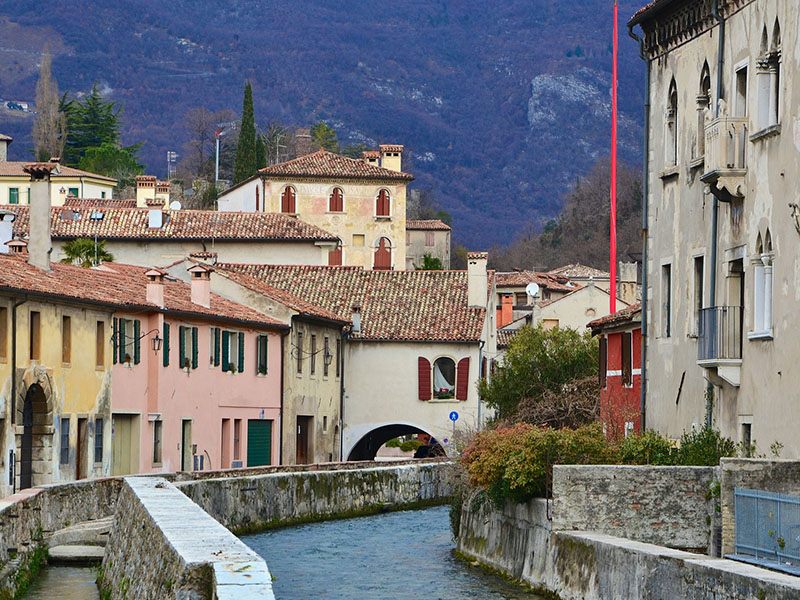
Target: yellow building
150 192
362 201
15 183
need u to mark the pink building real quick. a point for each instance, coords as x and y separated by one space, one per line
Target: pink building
196 377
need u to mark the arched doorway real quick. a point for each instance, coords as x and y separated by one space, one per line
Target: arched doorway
34 423
368 446
383 255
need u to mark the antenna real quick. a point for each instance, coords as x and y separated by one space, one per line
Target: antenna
174 205
532 289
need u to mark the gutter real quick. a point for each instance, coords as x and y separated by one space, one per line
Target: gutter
645 200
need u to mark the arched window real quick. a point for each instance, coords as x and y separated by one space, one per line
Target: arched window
444 378
383 255
336 200
762 288
383 204
768 78
289 200
703 102
671 130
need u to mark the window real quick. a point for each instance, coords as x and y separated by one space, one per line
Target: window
263 347
102 194
324 423
382 260
603 370
762 288
66 339
187 347
335 256
703 102
698 292
338 354
336 200
128 345
214 351
313 354
358 240
444 378
165 345
13 195
666 300
627 359
747 438
64 430
233 351
98 440
74 192
237 439
768 78
671 134
157 433
429 238
383 204
3 332
100 345
35 336
325 360
299 352
408 238
548 324
289 200
740 109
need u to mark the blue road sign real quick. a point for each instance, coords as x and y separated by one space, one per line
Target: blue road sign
454 416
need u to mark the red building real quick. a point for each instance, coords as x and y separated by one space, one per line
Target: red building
620 370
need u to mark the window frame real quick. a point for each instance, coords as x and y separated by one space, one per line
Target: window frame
100 345
262 354
64 446
66 339
377 204
13 195
293 204
158 439
331 208
34 335
437 395
98 440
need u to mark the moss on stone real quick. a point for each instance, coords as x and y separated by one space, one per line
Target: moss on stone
539 591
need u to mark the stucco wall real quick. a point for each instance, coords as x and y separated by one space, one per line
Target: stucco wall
88 188
576 309
416 247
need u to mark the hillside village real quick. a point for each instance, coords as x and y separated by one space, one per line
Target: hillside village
303 348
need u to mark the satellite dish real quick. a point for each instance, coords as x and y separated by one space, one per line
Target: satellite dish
174 205
532 290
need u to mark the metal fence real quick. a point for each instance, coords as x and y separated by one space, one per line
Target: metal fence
720 333
767 526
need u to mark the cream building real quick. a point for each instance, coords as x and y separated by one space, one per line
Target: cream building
363 202
723 224
65 182
427 236
150 192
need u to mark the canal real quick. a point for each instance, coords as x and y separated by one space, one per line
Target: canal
407 554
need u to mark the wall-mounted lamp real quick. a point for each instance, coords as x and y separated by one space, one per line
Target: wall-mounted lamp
156 343
328 357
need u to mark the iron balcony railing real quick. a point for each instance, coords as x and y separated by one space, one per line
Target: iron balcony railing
720 333
767 528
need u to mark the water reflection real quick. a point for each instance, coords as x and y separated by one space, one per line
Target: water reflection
65 583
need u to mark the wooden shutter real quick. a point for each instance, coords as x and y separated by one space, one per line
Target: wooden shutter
216 346
165 345
182 346
115 337
259 442
241 352
424 378
382 208
601 373
462 379
137 349
121 340
483 368
194 347
627 359
336 201
225 349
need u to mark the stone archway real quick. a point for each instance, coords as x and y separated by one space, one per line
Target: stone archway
35 436
367 447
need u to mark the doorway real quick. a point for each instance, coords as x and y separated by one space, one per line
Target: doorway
186 445
124 444
304 452
259 442
35 418
82 450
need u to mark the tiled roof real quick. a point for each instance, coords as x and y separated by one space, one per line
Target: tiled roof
133 223
427 225
77 203
6 138
15 168
504 337
328 164
632 313
395 305
116 285
556 283
639 14
579 271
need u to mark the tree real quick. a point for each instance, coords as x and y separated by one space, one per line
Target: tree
423 205
355 150
276 139
325 136
261 152
539 362
430 263
84 253
245 164
200 124
113 161
91 122
50 124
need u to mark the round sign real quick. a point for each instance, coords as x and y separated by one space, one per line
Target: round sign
454 416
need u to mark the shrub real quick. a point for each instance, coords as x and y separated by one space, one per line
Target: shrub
394 443
410 445
651 448
704 447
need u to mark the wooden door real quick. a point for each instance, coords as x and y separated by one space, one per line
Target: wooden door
303 453
225 450
82 450
383 255
122 443
26 449
259 442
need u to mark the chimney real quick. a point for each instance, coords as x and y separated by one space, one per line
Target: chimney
477 279
505 312
626 288
145 189
155 287
303 144
7 219
356 318
391 156
39 242
17 247
5 140
201 284
371 157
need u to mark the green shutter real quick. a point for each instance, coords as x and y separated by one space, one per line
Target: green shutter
137 349
121 340
181 346
194 347
165 345
259 442
241 352
115 326
216 346
225 343
13 195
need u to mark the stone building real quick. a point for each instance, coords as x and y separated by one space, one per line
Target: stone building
362 202
427 236
722 276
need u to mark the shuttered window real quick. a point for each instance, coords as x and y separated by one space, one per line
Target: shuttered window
601 373
241 352
262 347
424 378
115 338
165 346
382 202
226 342
462 379
182 360
137 348
194 347
121 341
288 200
336 203
627 359
299 351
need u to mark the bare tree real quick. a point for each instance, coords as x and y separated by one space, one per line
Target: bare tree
50 125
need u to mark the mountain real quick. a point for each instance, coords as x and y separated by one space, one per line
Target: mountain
499 105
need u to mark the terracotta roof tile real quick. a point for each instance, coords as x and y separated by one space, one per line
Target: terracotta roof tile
133 223
640 14
504 337
117 285
579 271
328 164
15 168
626 315
6 138
544 280
395 305
427 225
77 203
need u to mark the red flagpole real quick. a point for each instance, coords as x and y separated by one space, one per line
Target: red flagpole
613 249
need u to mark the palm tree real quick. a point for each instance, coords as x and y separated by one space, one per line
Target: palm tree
82 252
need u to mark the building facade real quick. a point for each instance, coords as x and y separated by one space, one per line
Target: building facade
722 266
427 237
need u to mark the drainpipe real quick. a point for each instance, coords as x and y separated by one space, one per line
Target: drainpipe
280 426
645 192
345 337
14 358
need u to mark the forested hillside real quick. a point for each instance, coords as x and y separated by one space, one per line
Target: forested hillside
500 105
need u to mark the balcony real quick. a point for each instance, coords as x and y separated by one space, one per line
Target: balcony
719 341
725 145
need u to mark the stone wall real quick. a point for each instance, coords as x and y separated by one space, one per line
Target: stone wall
163 545
280 498
668 506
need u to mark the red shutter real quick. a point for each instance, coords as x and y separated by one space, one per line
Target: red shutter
424 379
335 257
462 379
288 201
601 374
484 374
336 201
382 208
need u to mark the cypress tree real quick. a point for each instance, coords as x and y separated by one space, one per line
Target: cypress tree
245 164
261 152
